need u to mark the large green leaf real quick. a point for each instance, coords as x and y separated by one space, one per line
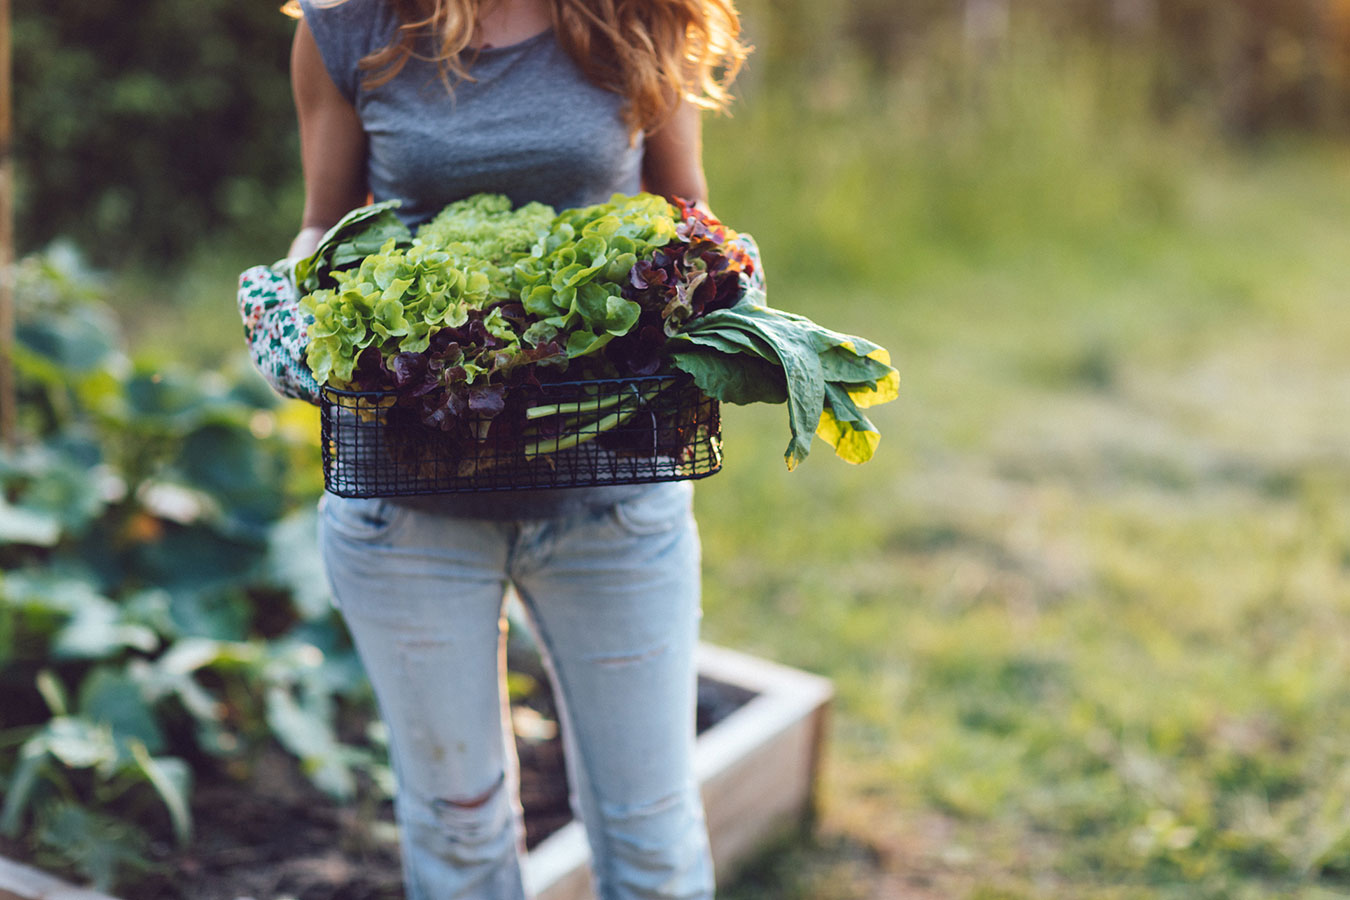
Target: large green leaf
99 629
811 358
731 341
292 563
172 780
243 474
78 742
19 525
110 697
797 357
218 613
198 558
164 400
732 378
19 787
853 437
75 344
306 731
47 491
100 846
46 589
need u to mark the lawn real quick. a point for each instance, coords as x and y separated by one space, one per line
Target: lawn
1088 610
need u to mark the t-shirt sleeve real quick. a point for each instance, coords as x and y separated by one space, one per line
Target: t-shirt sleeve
345 33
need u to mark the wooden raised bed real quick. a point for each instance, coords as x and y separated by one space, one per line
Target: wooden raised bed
20 882
756 768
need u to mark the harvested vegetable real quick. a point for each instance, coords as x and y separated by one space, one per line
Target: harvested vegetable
825 378
485 297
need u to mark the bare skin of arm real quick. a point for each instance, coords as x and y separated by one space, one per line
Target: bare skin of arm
672 163
332 145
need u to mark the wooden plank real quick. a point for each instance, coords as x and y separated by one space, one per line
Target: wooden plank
760 675
27 883
559 867
765 793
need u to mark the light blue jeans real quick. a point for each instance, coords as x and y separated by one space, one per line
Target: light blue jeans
613 597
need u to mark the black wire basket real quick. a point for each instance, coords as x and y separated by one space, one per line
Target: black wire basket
563 434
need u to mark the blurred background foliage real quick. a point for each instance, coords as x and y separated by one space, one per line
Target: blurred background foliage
161 610
1086 611
146 127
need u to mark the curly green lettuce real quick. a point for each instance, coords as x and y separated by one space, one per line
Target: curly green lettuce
393 301
573 281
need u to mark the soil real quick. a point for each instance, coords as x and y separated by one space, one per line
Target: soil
274 836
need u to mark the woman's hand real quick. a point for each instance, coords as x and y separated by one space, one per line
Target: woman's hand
305 242
332 145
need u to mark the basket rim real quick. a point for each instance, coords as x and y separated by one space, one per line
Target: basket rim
671 377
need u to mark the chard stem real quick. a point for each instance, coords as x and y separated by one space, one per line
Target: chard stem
592 429
581 406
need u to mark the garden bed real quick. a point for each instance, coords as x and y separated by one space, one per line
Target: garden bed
275 836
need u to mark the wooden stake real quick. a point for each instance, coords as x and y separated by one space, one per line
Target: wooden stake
8 395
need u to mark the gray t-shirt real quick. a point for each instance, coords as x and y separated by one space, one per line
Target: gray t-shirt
529 125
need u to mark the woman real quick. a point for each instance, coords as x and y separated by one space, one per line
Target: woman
564 102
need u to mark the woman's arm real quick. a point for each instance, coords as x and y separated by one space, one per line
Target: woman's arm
332 145
672 163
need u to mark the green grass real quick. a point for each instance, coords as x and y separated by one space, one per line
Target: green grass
1088 610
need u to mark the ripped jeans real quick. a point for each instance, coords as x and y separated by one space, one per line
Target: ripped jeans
613 597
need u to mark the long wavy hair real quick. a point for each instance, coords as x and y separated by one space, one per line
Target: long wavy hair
653 53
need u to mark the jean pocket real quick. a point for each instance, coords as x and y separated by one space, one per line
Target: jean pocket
652 512
360 518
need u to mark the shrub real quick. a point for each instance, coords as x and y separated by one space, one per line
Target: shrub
161 608
142 127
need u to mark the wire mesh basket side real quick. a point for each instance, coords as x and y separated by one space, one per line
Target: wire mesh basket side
565 434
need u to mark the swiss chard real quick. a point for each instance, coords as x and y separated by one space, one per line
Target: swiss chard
356 235
825 378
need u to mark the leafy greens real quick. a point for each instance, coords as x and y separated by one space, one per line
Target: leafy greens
485 297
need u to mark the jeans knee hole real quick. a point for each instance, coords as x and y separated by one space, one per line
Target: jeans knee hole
472 803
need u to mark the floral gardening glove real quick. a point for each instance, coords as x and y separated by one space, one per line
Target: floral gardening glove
277 331
753 288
